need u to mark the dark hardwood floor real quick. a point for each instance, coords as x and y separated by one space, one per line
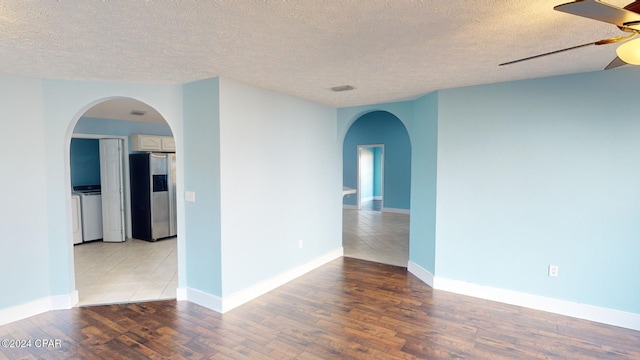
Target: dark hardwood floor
347 309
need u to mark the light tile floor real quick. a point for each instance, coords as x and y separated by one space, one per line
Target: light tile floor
135 270
376 236
138 270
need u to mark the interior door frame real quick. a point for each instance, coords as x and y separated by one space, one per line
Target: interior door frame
125 173
358 189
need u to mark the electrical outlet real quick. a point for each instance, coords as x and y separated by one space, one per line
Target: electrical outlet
553 270
300 244
190 196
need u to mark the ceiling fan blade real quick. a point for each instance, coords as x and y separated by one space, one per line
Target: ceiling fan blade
546 54
617 62
599 42
634 6
600 11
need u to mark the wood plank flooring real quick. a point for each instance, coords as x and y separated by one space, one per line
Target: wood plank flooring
347 309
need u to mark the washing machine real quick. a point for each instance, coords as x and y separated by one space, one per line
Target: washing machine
90 210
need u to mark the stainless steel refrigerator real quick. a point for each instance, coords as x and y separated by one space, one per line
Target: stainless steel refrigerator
153 195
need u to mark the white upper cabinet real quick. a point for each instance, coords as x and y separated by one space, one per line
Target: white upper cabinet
168 144
152 143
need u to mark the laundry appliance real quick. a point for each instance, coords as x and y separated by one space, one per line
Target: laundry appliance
90 210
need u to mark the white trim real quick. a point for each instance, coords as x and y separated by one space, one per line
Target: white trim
396 211
181 294
59 302
243 296
24 311
236 299
421 273
39 306
358 187
552 305
351 207
368 198
203 299
377 197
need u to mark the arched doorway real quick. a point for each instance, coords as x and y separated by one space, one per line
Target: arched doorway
111 269
377 183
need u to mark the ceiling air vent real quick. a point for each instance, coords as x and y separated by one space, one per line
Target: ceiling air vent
342 88
137 112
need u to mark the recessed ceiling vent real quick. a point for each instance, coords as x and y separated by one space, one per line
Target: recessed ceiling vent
138 112
342 88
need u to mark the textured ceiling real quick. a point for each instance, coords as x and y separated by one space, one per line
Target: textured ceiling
388 50
122 108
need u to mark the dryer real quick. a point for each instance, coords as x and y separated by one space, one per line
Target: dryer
90 210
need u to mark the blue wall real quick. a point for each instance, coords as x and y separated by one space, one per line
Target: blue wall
87 125
541 172
424 160
377 171
381 127
202 157
85 162
24 258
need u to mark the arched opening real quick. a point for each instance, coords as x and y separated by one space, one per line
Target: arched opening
113 260
377 189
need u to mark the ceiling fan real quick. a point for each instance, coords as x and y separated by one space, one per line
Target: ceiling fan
626 19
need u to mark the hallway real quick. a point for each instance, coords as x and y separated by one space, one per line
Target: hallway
376 236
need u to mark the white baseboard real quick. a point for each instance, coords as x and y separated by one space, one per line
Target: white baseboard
234 300
377 197
39 306
181 294
537 302
552 305
59 302
397 211
202 298
421 273
384 209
